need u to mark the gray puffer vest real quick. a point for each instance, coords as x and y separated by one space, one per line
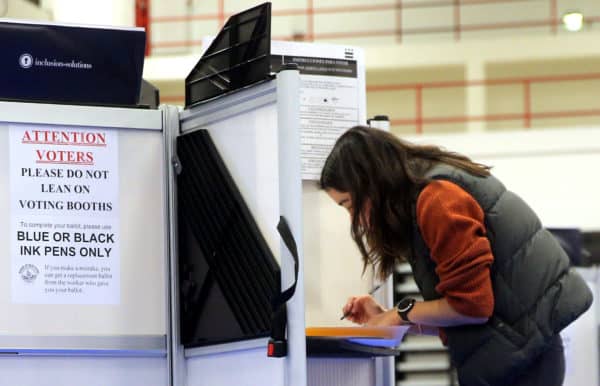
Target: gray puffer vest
536 293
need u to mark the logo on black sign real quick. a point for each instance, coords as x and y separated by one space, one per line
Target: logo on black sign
26 60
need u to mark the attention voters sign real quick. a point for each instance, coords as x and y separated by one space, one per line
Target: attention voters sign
64 192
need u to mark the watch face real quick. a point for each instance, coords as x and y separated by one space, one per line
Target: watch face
405 304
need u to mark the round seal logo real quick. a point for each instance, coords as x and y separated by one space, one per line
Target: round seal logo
26 60
29 272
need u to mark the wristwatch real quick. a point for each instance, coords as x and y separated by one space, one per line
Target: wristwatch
404 306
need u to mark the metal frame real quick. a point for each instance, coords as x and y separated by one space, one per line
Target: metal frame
79 115
116 346
229 106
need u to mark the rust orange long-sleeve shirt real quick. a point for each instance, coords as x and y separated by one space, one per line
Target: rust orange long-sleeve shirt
452 225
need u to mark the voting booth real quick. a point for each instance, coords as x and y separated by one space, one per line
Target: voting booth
84 239
91 238
104 202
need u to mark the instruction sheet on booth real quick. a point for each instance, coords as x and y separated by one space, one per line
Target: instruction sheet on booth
332 95
64 193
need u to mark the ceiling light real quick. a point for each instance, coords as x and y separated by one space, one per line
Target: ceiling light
573 21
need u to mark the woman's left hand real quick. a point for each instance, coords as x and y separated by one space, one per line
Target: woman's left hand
386 318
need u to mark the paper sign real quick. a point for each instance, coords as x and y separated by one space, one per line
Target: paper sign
332 95
64 193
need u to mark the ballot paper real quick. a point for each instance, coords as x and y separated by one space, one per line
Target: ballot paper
370 336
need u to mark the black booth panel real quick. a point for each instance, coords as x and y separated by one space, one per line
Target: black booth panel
227 273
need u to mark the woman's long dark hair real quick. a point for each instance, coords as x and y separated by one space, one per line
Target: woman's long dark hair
374 165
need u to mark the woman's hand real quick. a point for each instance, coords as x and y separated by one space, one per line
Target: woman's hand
361 309
365 310
387 318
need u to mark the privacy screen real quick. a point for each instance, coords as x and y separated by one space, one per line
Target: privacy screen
227 273
238 56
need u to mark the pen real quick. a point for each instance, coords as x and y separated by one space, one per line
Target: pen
371 292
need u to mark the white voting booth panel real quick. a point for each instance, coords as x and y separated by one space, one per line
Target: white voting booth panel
580 339
89 371
256 131
118 337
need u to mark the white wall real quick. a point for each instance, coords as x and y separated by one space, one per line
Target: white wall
376 23
101 12
22 9
526 58
553 170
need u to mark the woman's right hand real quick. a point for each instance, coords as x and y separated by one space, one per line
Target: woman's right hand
360 309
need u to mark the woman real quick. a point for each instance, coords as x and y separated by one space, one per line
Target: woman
496 284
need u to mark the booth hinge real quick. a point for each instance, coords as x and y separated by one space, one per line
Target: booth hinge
176 164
